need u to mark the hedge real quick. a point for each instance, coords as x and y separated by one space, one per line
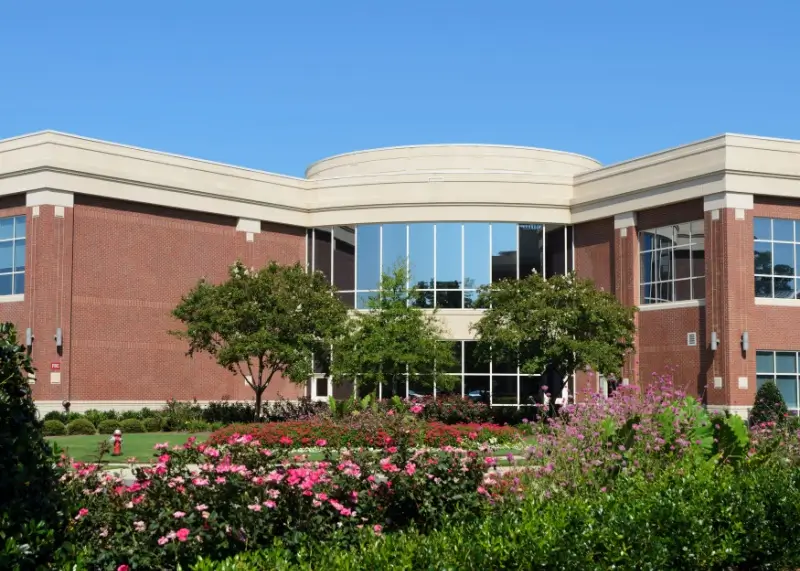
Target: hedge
81 426
54 428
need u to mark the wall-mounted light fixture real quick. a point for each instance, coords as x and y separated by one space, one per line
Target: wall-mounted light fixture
28 338
714 341
745 341
59 338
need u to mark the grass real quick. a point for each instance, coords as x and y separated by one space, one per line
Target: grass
140 446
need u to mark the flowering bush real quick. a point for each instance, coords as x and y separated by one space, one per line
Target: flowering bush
367 430
220 499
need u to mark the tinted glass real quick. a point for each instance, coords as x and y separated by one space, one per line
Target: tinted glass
6 228
344 258
699 288
448 299
761 380
476 255
322 251
6 285
19 255
785 362
368 270
19 283
570 261
783 230
683 262
476 388
420 240
788 388
309 249
683 234
471 362
762 228
783 287
647 274
6 256
763 286
531 244
19 227
504 390
394 246
448 256
504 251
763 257
683 290
783 259
555 250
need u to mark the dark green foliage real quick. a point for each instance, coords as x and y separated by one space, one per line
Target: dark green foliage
260 323
56 415
152 424
81 426
197 426
229 412
392 340
128 414
31 508
54 428
769 405
131 426
108 426
561 323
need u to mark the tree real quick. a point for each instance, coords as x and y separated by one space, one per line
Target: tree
32 510
394 338
553 327
769 405
263 322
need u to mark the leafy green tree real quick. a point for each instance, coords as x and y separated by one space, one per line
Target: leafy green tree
769 405
263 322
392 338
32 517
553 327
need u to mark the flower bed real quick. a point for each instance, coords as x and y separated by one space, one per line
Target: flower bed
367 433
245 493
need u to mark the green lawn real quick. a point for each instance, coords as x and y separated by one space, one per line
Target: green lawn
140 446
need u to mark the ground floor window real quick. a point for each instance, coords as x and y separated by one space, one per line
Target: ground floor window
780 367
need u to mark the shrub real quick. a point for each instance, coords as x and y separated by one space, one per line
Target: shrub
73 416
229 412
95 416
152 424
301 409
56 415
81 426
455 410
30 501
769 405
130 414
131 426
54 428
198 426
108 426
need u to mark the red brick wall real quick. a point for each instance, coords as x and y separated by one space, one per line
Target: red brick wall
594 252
131 264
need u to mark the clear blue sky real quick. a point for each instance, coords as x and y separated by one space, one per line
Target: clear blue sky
277 84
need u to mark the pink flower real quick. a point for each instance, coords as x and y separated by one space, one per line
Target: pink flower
490 461
200 481
220 480
416 409
201 507
482 490
377 529
139 526
270 504
285 440
472 435
123 567
161 446
162 540
205 515
322 442
390 413
178 515
164 458
254 507
411 468
182 534
83 512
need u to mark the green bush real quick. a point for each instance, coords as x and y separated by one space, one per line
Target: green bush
95 416
769 405
131 426
31 502
152 424
197 426
54 428
56 415
81 426
128 414
108 426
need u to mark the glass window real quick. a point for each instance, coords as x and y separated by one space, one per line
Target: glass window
779 367
368 257
344 258
504 252
394 242
12 255
531 249
322 251
775 256
471 362
477 255
476 387
504 390
448 257
420 254
672 263
555 255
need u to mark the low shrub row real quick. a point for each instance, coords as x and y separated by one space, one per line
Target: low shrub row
366 431
706 517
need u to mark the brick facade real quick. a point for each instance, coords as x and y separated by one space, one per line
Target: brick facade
109 273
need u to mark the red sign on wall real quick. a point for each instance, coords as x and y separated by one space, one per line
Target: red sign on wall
55 367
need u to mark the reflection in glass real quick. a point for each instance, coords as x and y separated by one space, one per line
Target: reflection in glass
763 286
504 390
788 388
322 251
368 243
420 245
471 362
504 252
683 290
529 389
765 362
476 387
785 362
394 247
19 227
19 283
419 385
763 257
783 287
783 259
762 228
531 245
6 256
683 262
782 230
477 255
6 228
698 288
555 258
6 285
344 258
363 299
448 299
448 256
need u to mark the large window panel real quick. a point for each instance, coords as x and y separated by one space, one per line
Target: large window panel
504 252
504 390
555 246
448 256
12 255
775 258
394 247
368 257
672 263
322 251
420 254
344 258
781 368
531 246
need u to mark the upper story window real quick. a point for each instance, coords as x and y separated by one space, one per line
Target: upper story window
673 263
447 261
776 248
780 367
12 255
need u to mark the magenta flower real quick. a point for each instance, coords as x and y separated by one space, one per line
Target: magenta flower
322 442
123 567
162 540
182 534
377 529
416 409
83 512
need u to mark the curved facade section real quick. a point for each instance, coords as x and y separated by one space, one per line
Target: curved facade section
451 158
